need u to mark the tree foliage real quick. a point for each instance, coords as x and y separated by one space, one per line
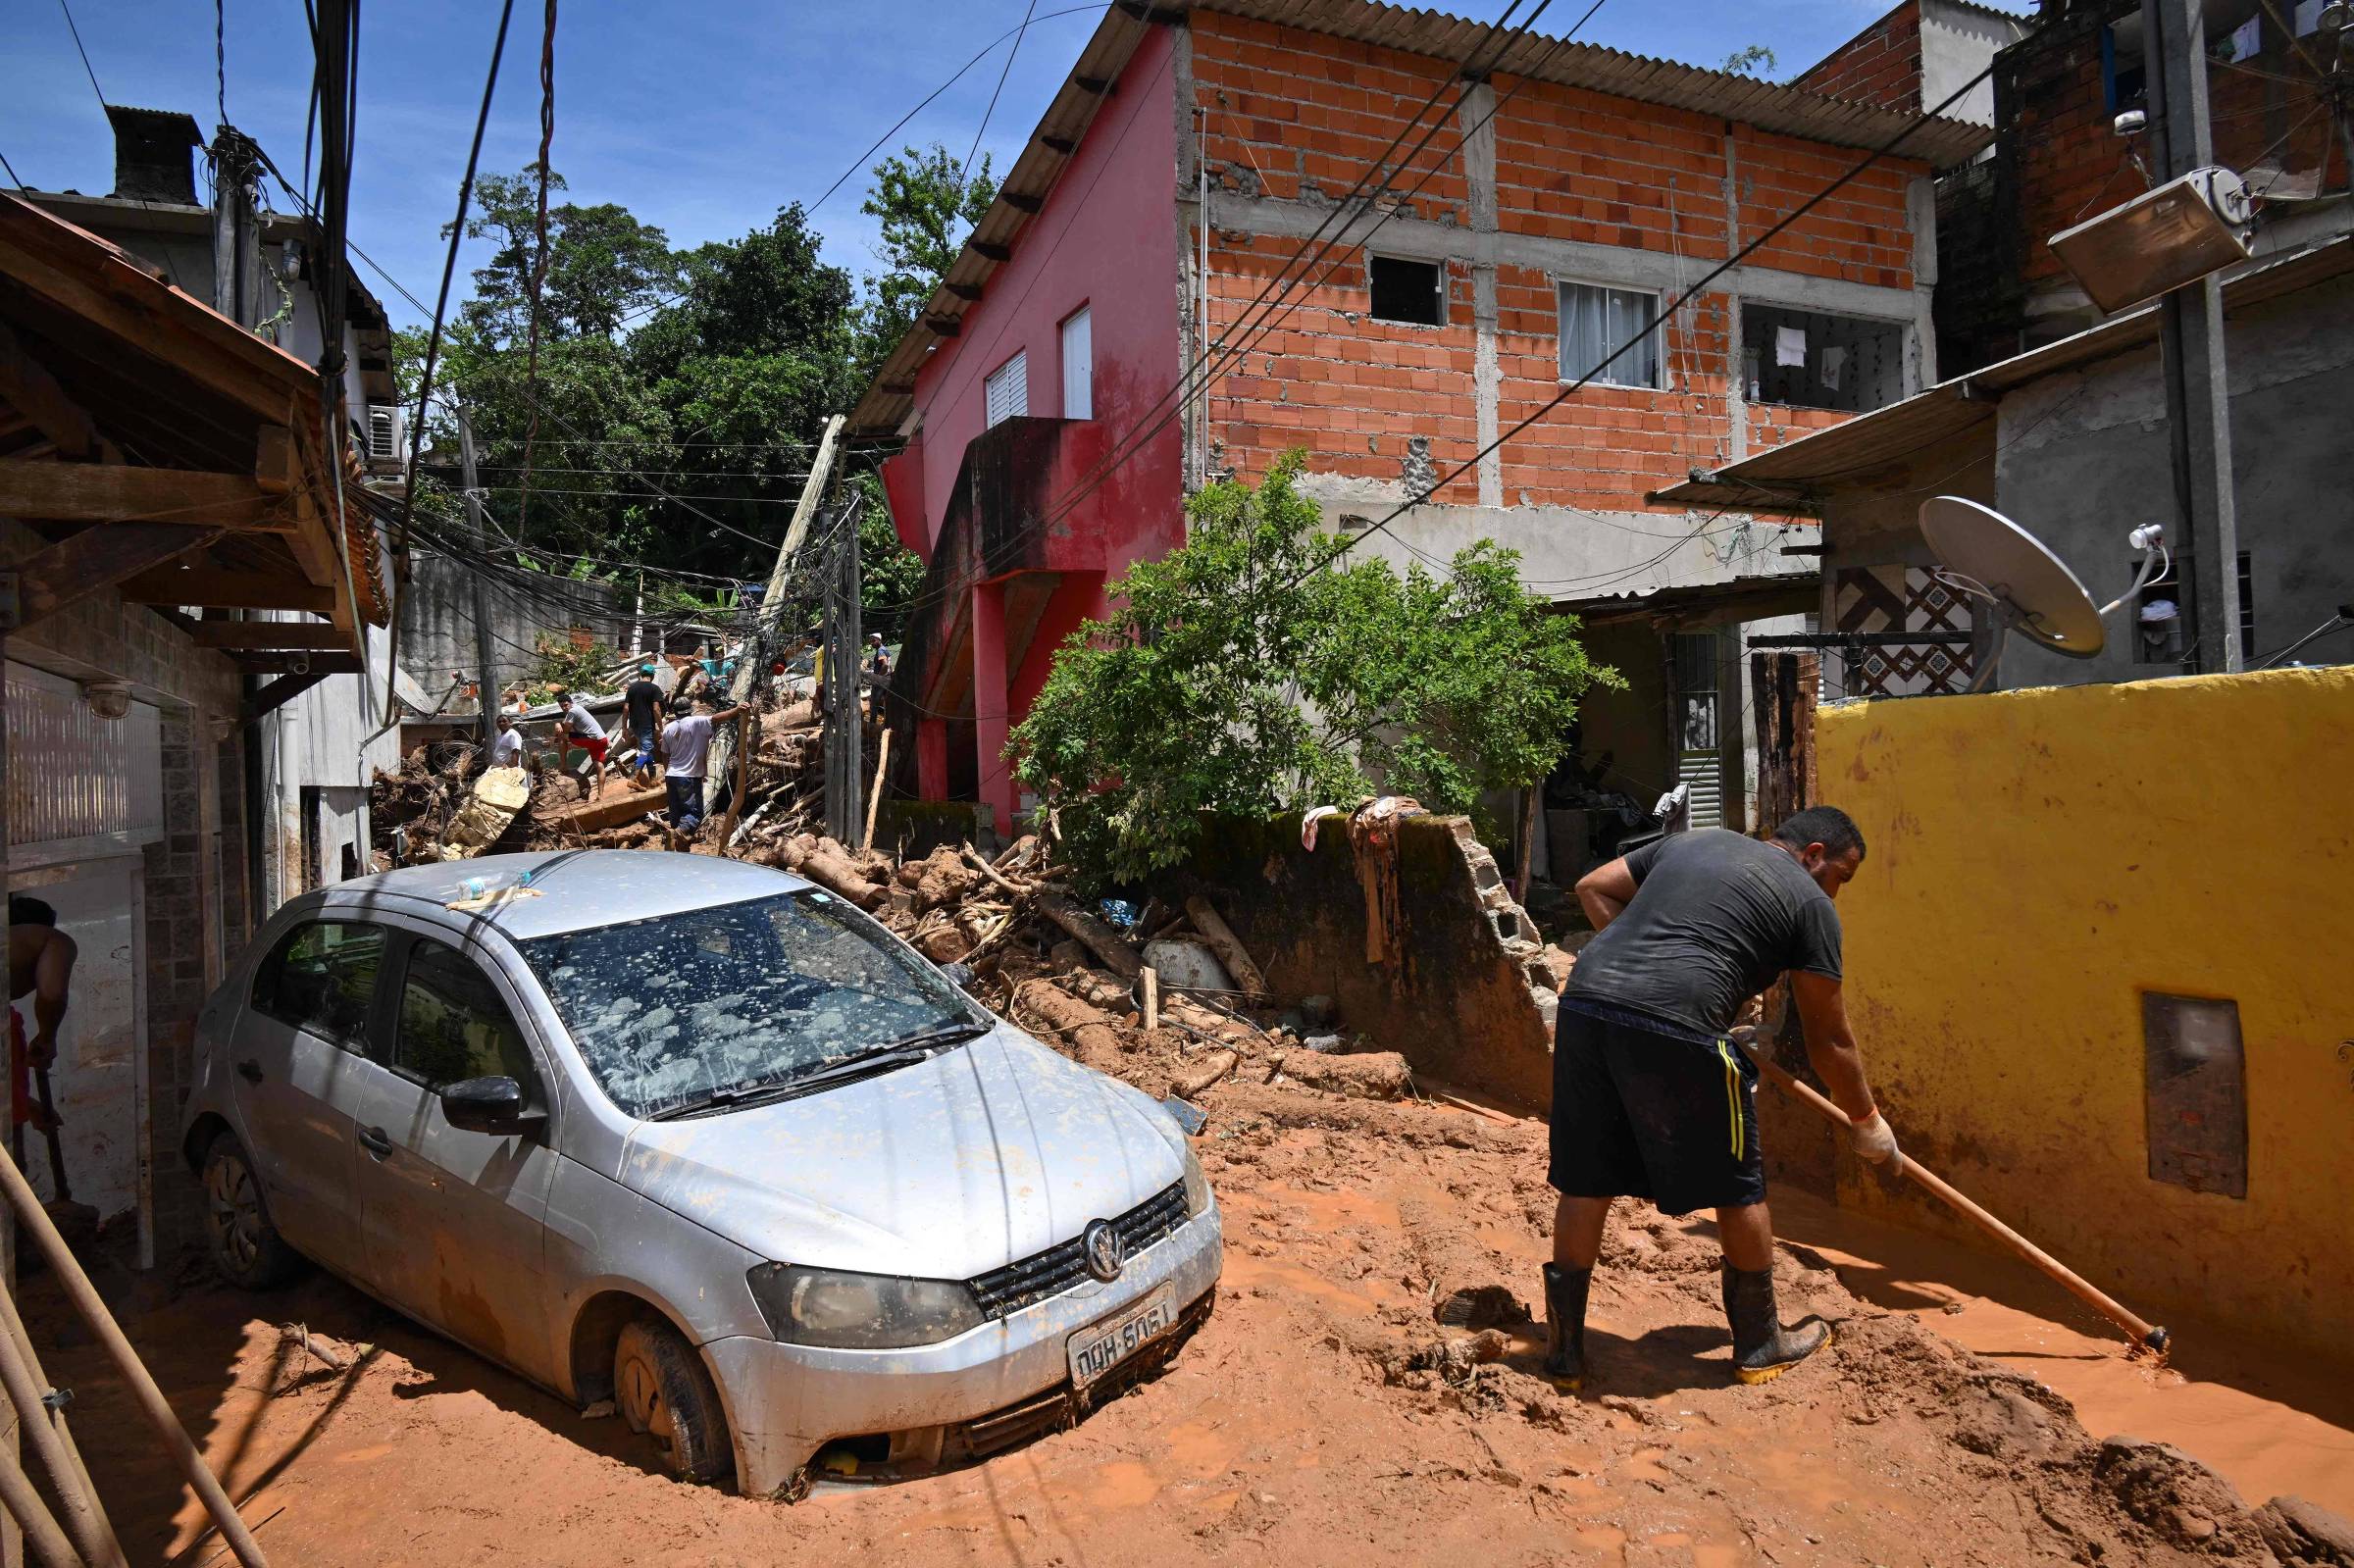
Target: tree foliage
926 209
1256 671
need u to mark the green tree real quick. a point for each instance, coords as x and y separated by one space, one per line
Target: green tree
1755 61
925 213
1253 671
603 265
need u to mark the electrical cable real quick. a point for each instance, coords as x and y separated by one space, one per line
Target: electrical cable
12 172
964 170
221 58
85 53
530 374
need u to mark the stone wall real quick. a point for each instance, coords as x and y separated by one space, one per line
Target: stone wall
1470 1002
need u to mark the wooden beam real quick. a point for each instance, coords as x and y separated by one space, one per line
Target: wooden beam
1021 202
1060 144
296 663
944 326
965 291
989 251
280 691
46 406
118 492
277 466
99 558
269 634
217 590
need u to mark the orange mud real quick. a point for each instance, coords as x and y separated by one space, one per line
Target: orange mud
1308 1423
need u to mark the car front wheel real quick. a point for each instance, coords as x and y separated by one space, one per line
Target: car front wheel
245 1246
661 1389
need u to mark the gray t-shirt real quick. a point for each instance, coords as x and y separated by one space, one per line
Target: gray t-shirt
582 722
1714 918
687 742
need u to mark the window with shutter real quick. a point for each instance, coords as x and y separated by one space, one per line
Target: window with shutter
1008 389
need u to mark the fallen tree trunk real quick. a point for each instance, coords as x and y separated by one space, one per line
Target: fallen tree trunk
1372 1076
1466 1286
1090 1032
831 868
1105 992
1229 947
1099 938
1184 1086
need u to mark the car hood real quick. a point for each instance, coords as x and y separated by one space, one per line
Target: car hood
963 1163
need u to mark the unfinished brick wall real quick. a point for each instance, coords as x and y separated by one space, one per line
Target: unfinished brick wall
1880 65
1297 116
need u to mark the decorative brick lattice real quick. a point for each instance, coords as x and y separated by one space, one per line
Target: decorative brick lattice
1904 599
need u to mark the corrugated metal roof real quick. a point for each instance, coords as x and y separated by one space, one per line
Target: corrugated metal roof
1748 100
1794 479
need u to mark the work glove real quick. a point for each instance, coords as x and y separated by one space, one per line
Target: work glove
1873 1139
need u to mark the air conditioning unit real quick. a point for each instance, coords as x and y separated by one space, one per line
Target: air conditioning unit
387 433
2161 239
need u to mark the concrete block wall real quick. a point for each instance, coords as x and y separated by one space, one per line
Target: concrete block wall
1560 185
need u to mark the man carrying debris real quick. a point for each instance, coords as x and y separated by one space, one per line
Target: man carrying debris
686 749
1651 1096
641 704
506 746
580 729
40 962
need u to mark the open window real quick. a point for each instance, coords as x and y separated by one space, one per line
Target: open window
1811 359
1413 292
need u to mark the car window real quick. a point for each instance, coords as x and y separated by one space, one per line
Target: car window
321 977
454 1024
674 1008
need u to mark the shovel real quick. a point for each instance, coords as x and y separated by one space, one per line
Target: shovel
2143 1335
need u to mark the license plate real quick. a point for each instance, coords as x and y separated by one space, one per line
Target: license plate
1099 1347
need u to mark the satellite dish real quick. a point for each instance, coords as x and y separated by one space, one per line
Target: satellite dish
1984 556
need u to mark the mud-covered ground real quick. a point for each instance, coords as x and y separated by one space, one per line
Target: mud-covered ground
1312 1421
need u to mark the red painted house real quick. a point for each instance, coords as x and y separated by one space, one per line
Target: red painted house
1053 430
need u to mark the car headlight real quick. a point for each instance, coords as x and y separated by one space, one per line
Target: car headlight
860 1311
1197 1185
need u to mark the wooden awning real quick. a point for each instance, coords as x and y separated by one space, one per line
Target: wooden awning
169 454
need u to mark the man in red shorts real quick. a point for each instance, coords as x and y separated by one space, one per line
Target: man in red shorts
579 728
1652 1098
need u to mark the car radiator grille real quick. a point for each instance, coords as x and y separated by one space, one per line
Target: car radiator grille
1045 1275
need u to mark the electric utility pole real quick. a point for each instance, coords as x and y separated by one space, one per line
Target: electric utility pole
846 683
2198 402
481 598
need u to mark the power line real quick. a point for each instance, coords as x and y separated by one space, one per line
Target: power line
220 56
12 174
964 170
85 53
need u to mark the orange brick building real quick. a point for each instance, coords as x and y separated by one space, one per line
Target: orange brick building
1554 200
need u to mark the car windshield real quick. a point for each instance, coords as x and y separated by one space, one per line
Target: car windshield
715 1002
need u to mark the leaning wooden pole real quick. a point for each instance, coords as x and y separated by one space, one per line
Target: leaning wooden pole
93 1538
49 1545
13 1323
85 1296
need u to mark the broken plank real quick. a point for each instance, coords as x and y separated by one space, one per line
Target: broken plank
605 811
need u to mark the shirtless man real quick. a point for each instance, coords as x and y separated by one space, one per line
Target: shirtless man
40 962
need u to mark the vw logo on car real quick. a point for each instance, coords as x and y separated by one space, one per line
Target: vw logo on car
1105 1255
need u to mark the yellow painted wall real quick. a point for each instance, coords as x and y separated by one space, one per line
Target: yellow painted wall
2038 859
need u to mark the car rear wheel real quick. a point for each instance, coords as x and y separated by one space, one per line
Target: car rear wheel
662 1391
245 1246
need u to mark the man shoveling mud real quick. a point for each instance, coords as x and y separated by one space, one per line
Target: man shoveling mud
1652 1098
40 964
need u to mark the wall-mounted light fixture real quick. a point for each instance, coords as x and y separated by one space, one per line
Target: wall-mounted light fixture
2160 240
108 700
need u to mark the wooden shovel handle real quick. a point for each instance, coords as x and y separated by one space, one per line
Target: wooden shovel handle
2143 1335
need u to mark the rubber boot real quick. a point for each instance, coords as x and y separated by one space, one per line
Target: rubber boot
1763 1349
1565 1325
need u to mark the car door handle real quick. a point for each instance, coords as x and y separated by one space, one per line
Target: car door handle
250 1069
374 1140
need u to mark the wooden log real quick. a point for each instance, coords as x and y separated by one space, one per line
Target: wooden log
1186 1085
1099 938
1227 946
973 859
831 868
1370 1076
873 801
1106 990
1086 1030
1151 999
1467 1288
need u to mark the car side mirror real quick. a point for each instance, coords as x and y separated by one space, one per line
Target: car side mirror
494 1105
962 975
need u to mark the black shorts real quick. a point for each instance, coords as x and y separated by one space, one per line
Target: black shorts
1640 1111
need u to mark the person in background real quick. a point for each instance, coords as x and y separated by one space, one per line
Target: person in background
686 755
579 728
40 963
641 706
506 744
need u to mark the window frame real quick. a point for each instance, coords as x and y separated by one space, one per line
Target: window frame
536 1093
1086 312
1659 331
988 384
1439 289
359 1042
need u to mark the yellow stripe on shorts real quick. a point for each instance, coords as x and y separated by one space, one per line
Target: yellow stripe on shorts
1732 1092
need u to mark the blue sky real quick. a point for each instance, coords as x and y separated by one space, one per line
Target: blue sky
701 118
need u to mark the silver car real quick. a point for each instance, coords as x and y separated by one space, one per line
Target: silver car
698 1138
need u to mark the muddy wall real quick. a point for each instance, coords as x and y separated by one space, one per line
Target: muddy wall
1469 1003
2096 960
